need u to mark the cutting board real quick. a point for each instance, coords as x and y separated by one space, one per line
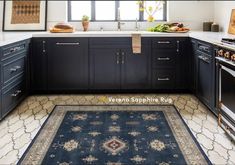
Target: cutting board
55 30
231 28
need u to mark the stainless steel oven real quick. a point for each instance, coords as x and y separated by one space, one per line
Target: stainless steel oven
226 78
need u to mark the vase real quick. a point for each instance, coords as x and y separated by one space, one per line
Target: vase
85 25
150 18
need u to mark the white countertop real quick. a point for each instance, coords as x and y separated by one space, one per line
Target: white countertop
211 37
109 34
11 37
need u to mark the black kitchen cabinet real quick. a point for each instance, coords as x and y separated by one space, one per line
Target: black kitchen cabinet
105 68
169 63
192 66
67 64
136 68
38 61
13 75
114 66
0 85
205 73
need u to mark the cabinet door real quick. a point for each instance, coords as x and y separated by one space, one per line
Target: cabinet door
67 64
38 60
193 60
136 68
105 68
204 83
1 104
183 66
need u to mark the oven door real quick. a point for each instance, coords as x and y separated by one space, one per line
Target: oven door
227 93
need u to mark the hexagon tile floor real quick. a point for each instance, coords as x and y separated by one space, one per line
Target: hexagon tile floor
19 128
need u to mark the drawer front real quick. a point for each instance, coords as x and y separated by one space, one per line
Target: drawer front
13 69
164 59
13 49
109 41
164 79
165 43
204 47
12 96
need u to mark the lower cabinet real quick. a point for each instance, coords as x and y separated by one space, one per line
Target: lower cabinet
14 75
204 72
38 65
114 66
13 95
67 64
105 68
59 64
136 68
204 80
170 64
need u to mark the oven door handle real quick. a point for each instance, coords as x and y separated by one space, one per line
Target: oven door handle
230 71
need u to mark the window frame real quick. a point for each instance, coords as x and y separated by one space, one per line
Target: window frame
117 4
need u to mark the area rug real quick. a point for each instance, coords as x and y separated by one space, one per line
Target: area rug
114 135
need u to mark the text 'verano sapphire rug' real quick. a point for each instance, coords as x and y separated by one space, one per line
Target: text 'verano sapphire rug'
114 135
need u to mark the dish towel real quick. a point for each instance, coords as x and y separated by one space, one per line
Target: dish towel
136 43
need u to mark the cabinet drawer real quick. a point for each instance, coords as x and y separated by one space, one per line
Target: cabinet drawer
165 43
110 42
164 59
204 47
12 69
12 96
164 79
13 49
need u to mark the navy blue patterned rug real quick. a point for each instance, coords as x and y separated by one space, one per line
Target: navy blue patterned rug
114 135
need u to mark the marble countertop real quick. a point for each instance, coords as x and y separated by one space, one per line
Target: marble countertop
211 37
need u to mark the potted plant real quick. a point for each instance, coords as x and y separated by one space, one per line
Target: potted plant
85 22
150 10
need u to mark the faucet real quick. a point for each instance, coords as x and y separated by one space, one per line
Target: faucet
119 20
136 25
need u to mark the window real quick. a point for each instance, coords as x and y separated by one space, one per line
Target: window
104 10
108 10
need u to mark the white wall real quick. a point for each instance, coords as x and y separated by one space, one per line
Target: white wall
1 14
191 13
222 13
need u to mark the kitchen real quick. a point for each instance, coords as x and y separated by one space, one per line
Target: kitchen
121 92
